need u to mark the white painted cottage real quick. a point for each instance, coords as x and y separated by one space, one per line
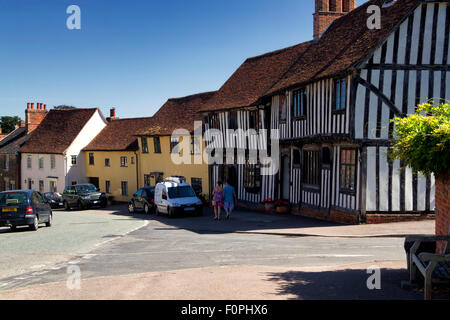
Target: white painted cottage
53 158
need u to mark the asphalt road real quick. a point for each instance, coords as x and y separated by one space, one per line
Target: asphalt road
72 234
163 245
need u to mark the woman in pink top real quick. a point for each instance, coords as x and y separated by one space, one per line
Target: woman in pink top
217 201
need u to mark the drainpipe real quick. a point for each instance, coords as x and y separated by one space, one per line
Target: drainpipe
137 170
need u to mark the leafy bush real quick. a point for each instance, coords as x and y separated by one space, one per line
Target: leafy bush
423 139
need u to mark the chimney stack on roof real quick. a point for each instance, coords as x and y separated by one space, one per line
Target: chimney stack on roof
33 117
329 10
112 115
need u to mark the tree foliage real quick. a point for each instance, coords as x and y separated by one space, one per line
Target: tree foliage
8 123
423 139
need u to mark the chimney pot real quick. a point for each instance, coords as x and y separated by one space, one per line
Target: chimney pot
32 105
28 106
112 113
45 107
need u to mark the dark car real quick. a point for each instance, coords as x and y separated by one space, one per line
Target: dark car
143 200
55 199
24 208
83 196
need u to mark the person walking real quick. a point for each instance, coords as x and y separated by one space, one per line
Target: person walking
217 201
230 199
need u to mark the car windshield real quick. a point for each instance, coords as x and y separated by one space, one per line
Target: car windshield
150 193
10 199
181 192
86 188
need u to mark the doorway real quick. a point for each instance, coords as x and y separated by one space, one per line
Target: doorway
285 177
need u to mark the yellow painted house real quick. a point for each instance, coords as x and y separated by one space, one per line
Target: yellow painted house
156 146
112 158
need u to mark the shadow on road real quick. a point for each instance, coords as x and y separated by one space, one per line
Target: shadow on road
241 220
347 284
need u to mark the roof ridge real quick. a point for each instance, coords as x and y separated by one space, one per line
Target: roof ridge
192 96
270 53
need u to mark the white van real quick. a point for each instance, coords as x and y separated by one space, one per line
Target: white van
176 197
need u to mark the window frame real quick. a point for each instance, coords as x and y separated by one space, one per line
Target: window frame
52 162
91 159
124 191
337 95
41 163
157 145
252 172
282 106
108 186
344 188
124 162
144 145
312 178
108 162
29 162
174 144
303 93
72 158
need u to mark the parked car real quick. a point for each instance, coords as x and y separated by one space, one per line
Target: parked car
176 197
24 208
143 200
55 199
83 196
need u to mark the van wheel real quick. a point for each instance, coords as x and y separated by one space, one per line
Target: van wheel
35 225
50 221
156 211
170 212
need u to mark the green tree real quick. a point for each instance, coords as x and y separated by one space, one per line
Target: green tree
423 139
8 123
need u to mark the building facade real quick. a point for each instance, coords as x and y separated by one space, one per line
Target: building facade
53 158
332 110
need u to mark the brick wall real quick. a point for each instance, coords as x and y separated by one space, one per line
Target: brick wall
442 208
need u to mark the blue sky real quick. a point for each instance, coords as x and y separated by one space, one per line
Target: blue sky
134 54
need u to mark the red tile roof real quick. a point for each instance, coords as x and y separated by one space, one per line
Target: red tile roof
346 42
177 113
119 135
57 131
254 77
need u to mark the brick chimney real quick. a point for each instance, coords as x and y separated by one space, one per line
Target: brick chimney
33 117
329 10
112 115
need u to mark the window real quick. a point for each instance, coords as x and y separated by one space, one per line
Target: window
41 186
196 184
52 185
13 185
132 160
297 159
252 178
299 103
124 185
174 145
30 184
147 180
326 156
311 168
29 162
347 172
74 183
254 120
108 186
123 162
144 145
196 146
283 108
340 94
107 162
74 160
41 163
157 144
7 162
91 159
52 162
232 120
215 121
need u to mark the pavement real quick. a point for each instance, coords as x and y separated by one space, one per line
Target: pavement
252 256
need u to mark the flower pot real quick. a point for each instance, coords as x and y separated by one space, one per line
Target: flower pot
269 207
282 209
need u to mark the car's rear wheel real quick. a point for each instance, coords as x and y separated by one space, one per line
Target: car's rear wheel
13 228
66 206
35 225
146 209
50 221
81 206
131 207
